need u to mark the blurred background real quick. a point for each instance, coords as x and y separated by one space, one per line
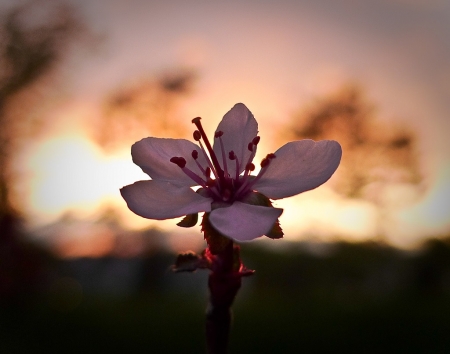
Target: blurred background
365 262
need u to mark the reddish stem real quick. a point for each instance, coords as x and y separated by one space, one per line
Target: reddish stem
223 283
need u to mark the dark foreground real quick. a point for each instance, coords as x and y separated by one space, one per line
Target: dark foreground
349 299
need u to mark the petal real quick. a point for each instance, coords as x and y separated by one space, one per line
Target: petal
153 156
244 222
162 200
239 127
298 167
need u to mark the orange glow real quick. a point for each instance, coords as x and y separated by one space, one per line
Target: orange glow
97 242
72 174
323 215
69 173
274 58
429 215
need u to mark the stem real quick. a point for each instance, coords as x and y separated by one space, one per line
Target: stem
223 286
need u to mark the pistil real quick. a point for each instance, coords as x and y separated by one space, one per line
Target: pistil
213 156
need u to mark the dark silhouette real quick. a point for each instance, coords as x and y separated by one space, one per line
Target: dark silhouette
146 108
375 151
31 47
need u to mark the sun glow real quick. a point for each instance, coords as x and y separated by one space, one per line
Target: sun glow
69 173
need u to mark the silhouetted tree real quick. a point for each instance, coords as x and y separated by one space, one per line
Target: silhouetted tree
33 40
379 156
375 151
148 107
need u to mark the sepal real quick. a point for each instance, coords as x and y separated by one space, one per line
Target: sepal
276 232
256 198
215 240
189 220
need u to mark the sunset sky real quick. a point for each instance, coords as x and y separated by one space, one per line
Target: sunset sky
276 57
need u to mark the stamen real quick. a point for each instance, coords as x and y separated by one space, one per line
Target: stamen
212 187
252 147
179 161
250 167
195 157
232 156
207 159
265 162
215 162
197 135
219 134
264 166
245 187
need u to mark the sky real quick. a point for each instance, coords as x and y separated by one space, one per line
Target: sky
274 56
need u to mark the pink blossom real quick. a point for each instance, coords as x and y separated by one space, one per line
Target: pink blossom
238 202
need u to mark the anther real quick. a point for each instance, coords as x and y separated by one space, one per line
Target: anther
195 154
250 166
232 156
218 134
179 161
250 147
255 140
265 162
197 135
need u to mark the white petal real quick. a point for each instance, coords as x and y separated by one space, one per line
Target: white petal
153 156
298 167
161 200
244 222
239 127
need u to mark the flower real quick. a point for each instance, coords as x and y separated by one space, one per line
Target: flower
237 203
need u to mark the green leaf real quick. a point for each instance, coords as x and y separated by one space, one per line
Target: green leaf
189 220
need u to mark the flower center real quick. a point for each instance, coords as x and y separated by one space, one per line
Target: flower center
223 186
